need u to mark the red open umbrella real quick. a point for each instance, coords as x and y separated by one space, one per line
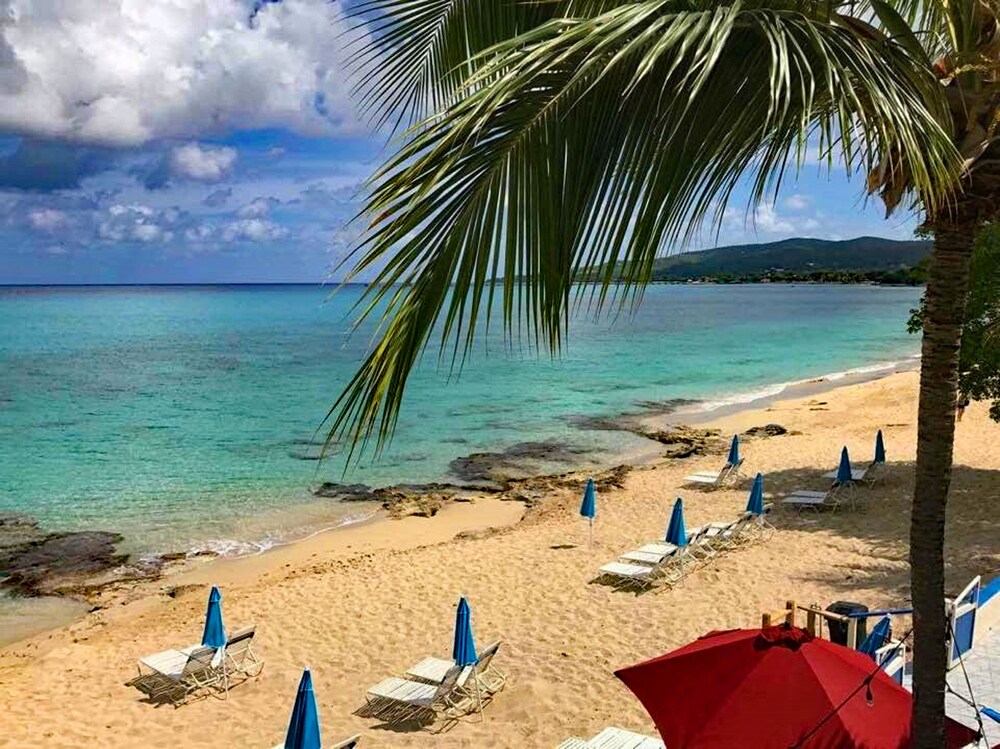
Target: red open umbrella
774 688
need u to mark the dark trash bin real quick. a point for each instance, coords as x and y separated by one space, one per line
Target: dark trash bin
838 630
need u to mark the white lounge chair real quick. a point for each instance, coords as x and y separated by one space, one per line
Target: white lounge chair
174 675
857 474
397 700
728 474
627 575
614 738
433 670
802 499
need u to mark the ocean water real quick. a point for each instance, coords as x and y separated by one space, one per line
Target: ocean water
186 417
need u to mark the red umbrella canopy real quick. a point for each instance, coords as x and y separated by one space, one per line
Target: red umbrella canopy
774 688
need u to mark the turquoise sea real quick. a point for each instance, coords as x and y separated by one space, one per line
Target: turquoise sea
184 417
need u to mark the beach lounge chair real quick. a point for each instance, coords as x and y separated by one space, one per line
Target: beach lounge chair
802 499
638 576
240 658
728 474
399 700
614 738
739 532
433 670
174 675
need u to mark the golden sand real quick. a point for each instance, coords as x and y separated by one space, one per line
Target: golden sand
364 603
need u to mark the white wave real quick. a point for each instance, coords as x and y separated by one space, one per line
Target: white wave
228 547
770 391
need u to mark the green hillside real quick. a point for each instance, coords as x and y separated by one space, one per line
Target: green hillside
813 259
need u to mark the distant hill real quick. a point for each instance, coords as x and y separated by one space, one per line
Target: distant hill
793 258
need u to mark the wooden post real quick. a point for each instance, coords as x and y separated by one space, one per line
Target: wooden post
790 616
811 621
765 621
852 633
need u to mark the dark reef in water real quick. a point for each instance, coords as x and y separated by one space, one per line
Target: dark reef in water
519 461
34 562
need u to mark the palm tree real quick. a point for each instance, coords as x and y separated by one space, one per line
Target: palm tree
551 138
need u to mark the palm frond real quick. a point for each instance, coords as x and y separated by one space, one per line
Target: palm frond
590 145
417 54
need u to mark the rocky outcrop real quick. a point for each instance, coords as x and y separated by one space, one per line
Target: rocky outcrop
345 492
519 461
768 430
34 563
684 441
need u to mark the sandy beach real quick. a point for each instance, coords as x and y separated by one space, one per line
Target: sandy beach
366 602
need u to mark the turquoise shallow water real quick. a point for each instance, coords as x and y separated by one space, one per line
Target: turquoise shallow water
181 416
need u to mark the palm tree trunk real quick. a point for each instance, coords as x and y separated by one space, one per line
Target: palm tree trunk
943 315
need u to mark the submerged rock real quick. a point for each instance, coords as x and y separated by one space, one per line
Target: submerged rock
345 492
56 563
519 461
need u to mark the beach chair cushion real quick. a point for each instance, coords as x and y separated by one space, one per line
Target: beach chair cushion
177 664
805 498
659 547
644 557
633 571
430 670
404 690
708 477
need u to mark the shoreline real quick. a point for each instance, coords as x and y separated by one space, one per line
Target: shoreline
366 602
197 566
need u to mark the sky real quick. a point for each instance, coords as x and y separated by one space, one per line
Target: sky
216 141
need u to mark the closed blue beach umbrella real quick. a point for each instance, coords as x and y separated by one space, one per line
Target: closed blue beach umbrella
214 635
589 506
734 451
755 504
464 650
878 637
844 475
879 448
303 728
676 533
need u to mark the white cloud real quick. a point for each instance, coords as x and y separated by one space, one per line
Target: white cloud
767 219
48 220
136 222
123 72
796 202
203 163
258 207
253 230
199 233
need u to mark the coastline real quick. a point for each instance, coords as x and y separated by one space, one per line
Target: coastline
362 603
195 565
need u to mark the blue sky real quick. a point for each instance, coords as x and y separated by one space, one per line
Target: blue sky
217 141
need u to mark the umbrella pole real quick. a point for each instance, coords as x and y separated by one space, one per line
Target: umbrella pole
591 533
